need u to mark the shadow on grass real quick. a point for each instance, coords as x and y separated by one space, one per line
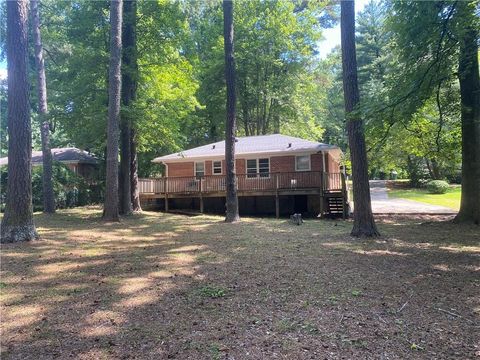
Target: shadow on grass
170 286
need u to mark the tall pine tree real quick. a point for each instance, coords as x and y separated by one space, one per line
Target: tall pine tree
129 88
17 222
363 222
111 206
47 182
230 128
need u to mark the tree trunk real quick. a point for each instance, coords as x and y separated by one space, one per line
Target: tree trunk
436 172
110 209
17 222
429 167
134 172
124 181
230 128
470 115
363 222
129 87
48 195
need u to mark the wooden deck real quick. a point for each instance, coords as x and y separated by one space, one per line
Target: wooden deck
325 185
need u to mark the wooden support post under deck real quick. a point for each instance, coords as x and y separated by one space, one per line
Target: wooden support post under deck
277 205
277 200
322 209
344 196
321 199
166 194
201 197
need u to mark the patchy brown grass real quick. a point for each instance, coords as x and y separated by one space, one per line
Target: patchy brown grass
168 286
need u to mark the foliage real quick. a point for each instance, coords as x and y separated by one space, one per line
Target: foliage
181 91
165 105
407 55
70 189
415 133
277 85
411 106
372 40
330 78
437 187
273 53
212 292
76 42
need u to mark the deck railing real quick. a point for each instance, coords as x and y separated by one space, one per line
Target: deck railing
245 182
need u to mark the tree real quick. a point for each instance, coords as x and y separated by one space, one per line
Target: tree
428 135
130 83
230 127
363 222
372 45
77 72
17 222
468 75
436 44
110 210
275 48
134 190
48 195
275 67
129 89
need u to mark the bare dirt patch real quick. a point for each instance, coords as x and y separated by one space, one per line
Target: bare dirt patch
161 286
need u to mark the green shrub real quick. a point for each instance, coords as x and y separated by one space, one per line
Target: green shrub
70 189
437 187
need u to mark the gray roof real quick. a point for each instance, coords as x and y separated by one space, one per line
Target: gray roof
67 155
250 145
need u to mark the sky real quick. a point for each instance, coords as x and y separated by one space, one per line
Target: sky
3 70
332 36
331 39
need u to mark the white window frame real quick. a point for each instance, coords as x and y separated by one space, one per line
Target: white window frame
309 162
195 168
213 167
257 168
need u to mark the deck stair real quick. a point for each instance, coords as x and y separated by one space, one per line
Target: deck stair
335 205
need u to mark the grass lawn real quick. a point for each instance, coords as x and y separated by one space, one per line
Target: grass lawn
159 286
450 199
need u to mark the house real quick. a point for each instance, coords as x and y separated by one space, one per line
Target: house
79 161
276 174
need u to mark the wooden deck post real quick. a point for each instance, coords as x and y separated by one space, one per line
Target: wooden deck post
166 194
201 196
321 199
277 198
344 196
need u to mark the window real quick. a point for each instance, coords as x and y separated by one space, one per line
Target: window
251 168
302 163
258 167
199 169
217 167
263 167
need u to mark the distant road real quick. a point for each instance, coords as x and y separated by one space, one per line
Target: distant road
381 203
